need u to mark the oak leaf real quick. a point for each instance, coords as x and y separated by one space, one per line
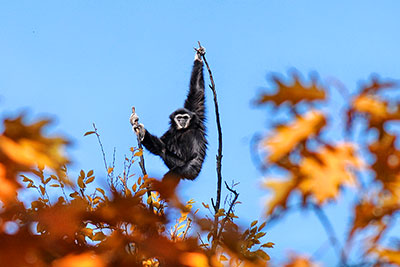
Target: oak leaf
323 174
294 92
388 255
26 145
285 138
282 189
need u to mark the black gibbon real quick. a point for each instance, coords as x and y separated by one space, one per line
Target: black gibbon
183 146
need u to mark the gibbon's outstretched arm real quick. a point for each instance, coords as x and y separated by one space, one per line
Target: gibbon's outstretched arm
183 146
195 99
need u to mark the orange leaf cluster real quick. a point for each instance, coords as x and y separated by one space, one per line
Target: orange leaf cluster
116 226
318 168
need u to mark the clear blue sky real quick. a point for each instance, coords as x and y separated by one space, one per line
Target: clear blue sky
90 61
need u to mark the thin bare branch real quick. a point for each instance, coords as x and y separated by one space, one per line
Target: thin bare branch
217 204
141 162
109 176
230 210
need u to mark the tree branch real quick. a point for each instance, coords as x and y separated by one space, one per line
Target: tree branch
219 155
231 206
141 162
109 176
217 204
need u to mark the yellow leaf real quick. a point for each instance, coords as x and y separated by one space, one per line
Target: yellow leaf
222 258
140 193
294 92
90 173
261 226
87 231
286 138
89 133
42 190
324 174
388 255
25 145
110 170
99 236
253 223
100 190
89 180
139 153
281 189
80 182
268 245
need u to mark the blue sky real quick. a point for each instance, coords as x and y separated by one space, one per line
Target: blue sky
90 61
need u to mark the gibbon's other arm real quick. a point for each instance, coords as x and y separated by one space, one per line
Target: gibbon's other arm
195 99
191 169
156 146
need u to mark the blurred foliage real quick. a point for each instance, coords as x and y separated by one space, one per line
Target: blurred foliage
129 222
319 160
140 221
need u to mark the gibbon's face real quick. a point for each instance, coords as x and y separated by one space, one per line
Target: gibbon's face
182 121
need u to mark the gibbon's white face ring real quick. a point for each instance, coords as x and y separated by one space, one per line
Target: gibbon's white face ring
182 121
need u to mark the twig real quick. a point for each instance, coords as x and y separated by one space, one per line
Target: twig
231 206
111 180
217 204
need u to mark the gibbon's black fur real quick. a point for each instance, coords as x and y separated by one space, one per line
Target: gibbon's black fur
183 146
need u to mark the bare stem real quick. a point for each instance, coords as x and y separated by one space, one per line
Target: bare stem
142 165
109 176
230 210
219 155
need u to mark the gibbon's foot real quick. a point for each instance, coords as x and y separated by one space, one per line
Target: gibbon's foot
139 130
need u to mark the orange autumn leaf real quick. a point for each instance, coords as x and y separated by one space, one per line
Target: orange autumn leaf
281 190
8 188
300 261
25 145
324 174
87 259
286 137
294 92
377 109
194 259
388 255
